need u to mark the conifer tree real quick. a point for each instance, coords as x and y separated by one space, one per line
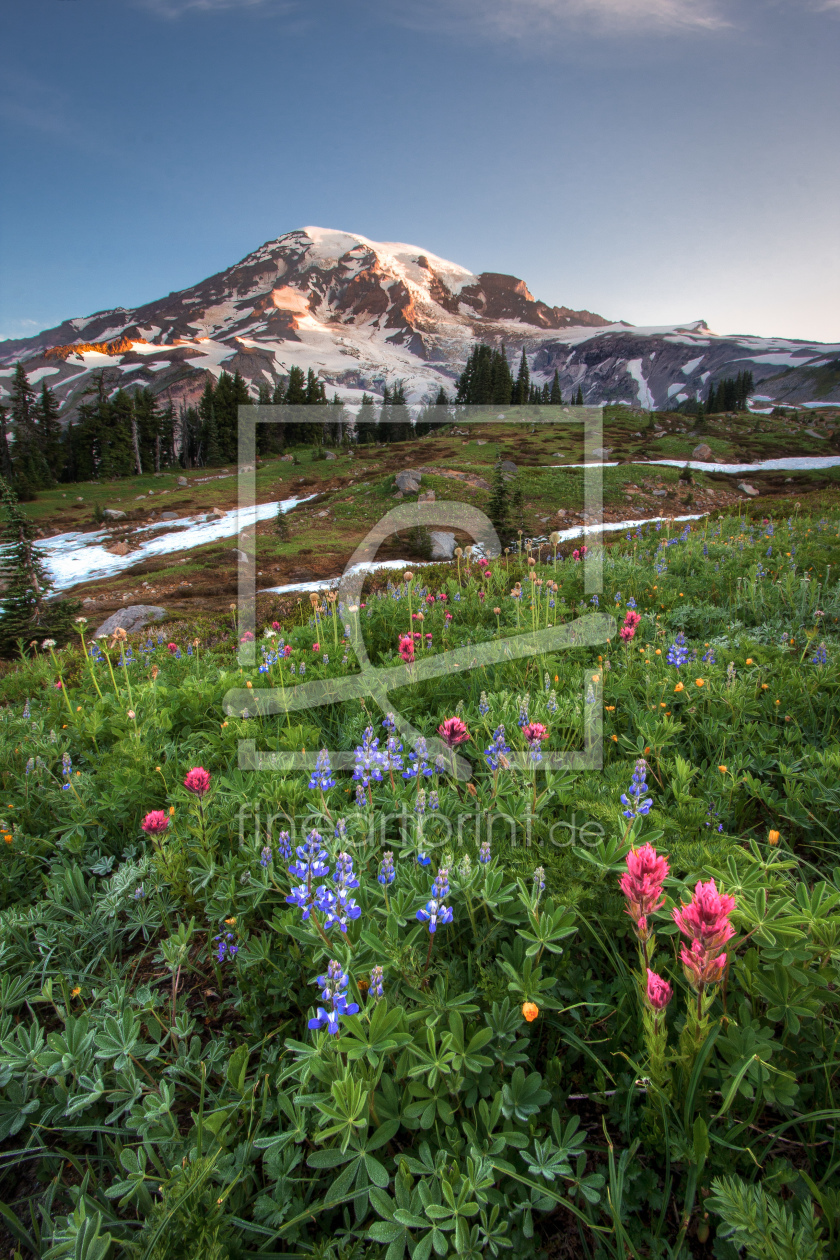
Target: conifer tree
555 397
579 398
5 457
498 507
27 612
50 428
522 388
28 463
441 400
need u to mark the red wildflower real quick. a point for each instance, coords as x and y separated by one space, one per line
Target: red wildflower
173 647
316 647
407 648
275 625
535 733
197 781
287 650
642 884
659 991
247 637
453 732
155 822
706 917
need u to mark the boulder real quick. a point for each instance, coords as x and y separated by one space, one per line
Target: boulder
704 452
131 619
428 496
169 516
443 544
746 488
330 455
408 480
239 556
118 549
659 494
182 481
508 466
113 514
599 452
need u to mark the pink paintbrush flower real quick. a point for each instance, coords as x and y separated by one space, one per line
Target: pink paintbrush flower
453 732
535 733
706 917
197 781
642 884
659 991
407 648
155 822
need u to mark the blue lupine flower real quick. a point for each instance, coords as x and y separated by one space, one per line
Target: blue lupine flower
417 763
344 875
678 653
483 706
433 913
361 799
440 886
420 802
389 723
820 656
284 846
434 801
310 864
594 600
341 908
368 760
322 774
522 720
265 857
709 657
631 603
551 704
484 853
377 978
333 985
539 879
387 874
636 806
226 947
139 893
441 766
67 765
340 830
495 754
392 754
422 859
618 593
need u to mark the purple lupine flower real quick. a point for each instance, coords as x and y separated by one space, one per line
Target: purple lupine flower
322 774
377 985
368 760
333 985
341 908
440 886
495 754
387 874
310 864
434 801
434 913
284 846
340 830
344 875
636 806
265 857
422 859
484 853
678 653
417 763
361 799
225 946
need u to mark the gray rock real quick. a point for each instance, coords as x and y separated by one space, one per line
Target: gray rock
113 514
746 488
659 494
169 516
408 480
813 433
508 466
443 544
131 619
287 459
703 451
182 481
600 452
240 556
330 455
428 496
139 496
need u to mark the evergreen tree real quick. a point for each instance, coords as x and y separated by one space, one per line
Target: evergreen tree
498 507
555 397
441 400
26 586
579 398
28 463
5 457
50 427
522 388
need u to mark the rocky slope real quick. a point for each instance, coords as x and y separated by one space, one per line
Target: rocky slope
363 314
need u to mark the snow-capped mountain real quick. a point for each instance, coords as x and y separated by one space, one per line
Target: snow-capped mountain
363 314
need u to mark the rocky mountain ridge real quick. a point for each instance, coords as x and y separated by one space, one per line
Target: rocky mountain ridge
363 314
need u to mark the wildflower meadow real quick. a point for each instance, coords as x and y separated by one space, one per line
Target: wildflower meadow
456 995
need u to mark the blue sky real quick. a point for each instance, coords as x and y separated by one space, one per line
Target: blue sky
652 160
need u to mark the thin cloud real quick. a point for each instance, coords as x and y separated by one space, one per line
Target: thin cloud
178 8
606 16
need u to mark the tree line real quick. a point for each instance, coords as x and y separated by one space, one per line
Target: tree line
487 380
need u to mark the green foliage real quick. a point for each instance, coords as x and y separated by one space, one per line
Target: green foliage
157 1066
